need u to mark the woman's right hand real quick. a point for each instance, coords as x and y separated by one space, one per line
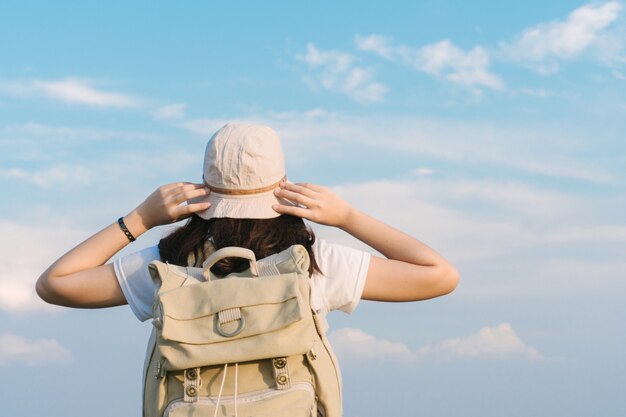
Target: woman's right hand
80 278
165 204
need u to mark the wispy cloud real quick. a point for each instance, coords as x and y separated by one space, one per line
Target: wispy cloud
423 171
28 252
442 59
57 132
538 151
16 349
576 274
337 72
171 112
64 176
70 90
176 115
488 343
542 46
479 220
203 126
425 208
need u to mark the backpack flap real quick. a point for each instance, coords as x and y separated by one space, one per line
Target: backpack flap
190 314
233 320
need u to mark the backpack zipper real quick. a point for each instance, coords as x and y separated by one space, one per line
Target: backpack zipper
242 399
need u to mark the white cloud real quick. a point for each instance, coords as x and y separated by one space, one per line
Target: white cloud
202 126
355 343
543 45
171 112
336 71
312 114
471 220
423 171
423 209
596 233
535 92
71 90
619 75
442 59
588 29
512 196
383 46
469 68
541 151
15 349
592 275
488 343
25 252
46 134
66 176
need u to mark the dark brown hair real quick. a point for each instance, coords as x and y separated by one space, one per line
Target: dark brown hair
187 244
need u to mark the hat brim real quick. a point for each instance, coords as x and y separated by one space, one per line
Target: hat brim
252 206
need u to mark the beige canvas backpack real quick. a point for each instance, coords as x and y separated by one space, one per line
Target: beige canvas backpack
244 345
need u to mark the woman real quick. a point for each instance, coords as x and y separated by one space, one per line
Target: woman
245 200
244 179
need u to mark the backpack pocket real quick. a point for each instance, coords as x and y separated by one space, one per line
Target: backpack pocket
298 401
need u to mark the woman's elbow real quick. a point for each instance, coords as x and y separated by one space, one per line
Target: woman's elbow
444 280
450 277
43 289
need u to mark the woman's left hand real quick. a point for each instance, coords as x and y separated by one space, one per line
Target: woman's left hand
315 203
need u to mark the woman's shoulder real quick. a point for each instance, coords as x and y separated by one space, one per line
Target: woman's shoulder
140 257
333 253
343 270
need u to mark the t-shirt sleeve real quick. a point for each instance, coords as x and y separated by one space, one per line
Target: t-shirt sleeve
340 285
134 278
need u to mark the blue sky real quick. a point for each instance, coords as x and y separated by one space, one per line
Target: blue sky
494 132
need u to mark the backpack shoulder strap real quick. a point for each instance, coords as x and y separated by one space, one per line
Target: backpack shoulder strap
292 259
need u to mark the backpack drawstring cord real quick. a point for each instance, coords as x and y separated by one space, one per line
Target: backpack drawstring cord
219 396
236 379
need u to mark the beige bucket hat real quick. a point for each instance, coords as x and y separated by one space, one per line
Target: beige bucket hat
243 165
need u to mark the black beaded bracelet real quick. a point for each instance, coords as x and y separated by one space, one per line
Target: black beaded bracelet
127 232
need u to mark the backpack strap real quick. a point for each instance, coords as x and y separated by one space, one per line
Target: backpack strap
281 373
321 324
191 385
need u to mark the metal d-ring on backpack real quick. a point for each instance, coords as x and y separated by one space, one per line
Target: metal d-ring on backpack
247 344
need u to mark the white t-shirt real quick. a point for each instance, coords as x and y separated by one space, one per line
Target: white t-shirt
339 288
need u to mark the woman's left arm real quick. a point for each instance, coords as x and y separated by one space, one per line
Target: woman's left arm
410 271
80 278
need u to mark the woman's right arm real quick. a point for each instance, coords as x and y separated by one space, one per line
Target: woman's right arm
80 278
411 271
